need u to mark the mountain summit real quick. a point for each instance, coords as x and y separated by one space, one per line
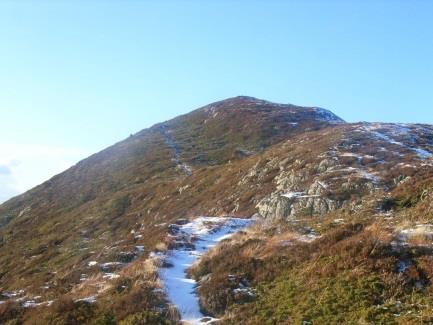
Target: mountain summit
341 207
215 132
240 102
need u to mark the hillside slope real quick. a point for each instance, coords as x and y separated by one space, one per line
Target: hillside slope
90 231
53 228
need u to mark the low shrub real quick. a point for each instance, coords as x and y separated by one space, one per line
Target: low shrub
145 318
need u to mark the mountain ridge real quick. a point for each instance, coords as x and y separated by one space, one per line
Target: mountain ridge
223 104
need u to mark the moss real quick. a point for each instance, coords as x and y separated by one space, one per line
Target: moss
118 206
65 312
344 299
345 277
106 318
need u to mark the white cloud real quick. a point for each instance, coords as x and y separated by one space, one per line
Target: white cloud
24 166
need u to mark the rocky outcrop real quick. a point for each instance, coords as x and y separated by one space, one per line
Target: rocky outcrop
275 206
294 197
282 207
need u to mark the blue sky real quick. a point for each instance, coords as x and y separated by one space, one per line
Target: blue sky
79 76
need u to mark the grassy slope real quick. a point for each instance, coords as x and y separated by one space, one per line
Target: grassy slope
87 213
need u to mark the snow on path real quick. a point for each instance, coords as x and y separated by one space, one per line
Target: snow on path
204 233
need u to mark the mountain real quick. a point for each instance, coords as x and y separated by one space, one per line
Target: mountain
342 213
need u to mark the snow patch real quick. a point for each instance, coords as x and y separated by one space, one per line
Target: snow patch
350 154
247 291
327 116
204 233
13 294
424 154
298 195
108 265
90 299
425 230
396 130
139 249
110 276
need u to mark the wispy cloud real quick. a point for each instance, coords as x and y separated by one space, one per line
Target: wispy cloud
7 189
5 170
25 166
